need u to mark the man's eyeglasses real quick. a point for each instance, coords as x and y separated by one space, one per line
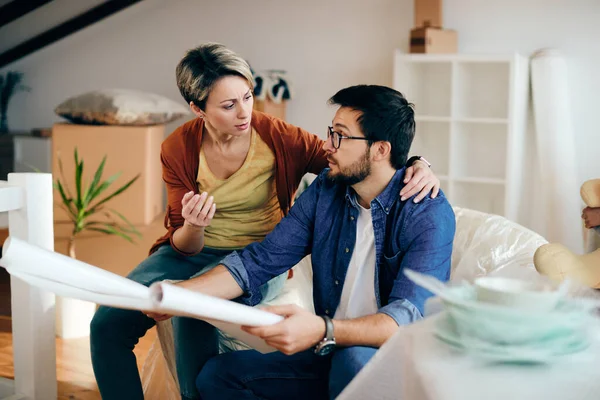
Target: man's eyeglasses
336 137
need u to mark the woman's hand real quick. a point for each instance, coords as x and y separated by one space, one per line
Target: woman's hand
419 178
198 210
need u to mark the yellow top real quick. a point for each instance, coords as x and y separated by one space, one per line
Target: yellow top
247 205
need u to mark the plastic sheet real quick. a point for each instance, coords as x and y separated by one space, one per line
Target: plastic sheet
487 244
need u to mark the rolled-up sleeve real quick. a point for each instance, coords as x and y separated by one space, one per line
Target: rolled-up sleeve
402 311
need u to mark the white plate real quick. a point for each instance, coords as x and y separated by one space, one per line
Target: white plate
535 352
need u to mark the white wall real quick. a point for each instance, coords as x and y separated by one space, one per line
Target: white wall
323 44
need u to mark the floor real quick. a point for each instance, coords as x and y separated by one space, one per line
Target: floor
73 365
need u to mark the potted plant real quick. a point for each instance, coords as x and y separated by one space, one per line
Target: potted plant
84 204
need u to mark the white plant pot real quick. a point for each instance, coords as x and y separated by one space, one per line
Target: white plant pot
73 317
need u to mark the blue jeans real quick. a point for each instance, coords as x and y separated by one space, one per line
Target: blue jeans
115 332
246 375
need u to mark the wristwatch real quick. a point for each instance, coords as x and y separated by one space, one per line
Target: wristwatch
327 345
411 161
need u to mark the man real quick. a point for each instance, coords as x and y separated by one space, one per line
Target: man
361 237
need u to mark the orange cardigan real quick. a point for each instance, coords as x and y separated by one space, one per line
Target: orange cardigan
296 153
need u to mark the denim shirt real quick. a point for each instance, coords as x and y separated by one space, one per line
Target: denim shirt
322 223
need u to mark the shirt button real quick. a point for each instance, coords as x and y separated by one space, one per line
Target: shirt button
327 312
337 282
351 218
347 250
387 209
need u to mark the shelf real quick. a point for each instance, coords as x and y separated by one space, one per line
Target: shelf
470 114
482 90
462 58
485 181
427 86
479 149
432 140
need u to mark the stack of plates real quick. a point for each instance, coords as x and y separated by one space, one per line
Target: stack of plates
503 334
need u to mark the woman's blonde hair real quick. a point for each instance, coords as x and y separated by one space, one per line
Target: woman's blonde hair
202 67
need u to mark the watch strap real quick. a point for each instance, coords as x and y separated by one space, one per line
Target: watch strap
412 160
328 328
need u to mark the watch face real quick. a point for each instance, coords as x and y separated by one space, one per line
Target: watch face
326 349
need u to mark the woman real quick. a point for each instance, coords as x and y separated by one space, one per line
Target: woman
231 175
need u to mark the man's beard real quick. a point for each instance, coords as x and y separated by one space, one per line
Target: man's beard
353 174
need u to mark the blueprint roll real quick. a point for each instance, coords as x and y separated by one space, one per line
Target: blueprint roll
556 149
24 259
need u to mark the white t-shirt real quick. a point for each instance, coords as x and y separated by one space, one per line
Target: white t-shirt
358 295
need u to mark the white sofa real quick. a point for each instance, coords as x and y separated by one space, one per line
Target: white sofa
484 244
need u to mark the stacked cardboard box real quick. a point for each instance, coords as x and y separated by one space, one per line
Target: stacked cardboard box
428 36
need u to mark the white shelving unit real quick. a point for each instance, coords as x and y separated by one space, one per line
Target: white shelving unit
471 117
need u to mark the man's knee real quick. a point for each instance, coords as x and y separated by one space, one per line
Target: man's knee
213 377
345 365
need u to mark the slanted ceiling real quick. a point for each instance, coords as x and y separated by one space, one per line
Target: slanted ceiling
11 12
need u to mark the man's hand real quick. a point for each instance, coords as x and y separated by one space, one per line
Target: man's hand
299 330
419 178
156 316
198 210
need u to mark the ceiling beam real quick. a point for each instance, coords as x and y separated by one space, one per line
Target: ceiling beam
17 8
65 29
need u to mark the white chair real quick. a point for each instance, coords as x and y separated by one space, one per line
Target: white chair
27 197
483 244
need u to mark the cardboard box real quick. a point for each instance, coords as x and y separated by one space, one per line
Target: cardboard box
130 150
433 41
270 107
428 13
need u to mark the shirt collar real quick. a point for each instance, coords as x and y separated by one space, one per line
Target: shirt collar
385 199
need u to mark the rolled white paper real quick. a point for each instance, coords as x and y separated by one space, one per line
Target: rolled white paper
72 278
20 256
179 301
556 149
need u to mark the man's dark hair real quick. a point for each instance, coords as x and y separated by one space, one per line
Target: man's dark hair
385 116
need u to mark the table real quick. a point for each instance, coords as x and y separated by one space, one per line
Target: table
415 365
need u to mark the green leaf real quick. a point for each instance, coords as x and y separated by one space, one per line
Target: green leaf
62 174
103 186
109 230
87 196
67 202
69 214
130 227
78 174
117 192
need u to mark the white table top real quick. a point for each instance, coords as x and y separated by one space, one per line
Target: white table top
415 365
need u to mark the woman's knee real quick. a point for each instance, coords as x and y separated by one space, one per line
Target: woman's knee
116 325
